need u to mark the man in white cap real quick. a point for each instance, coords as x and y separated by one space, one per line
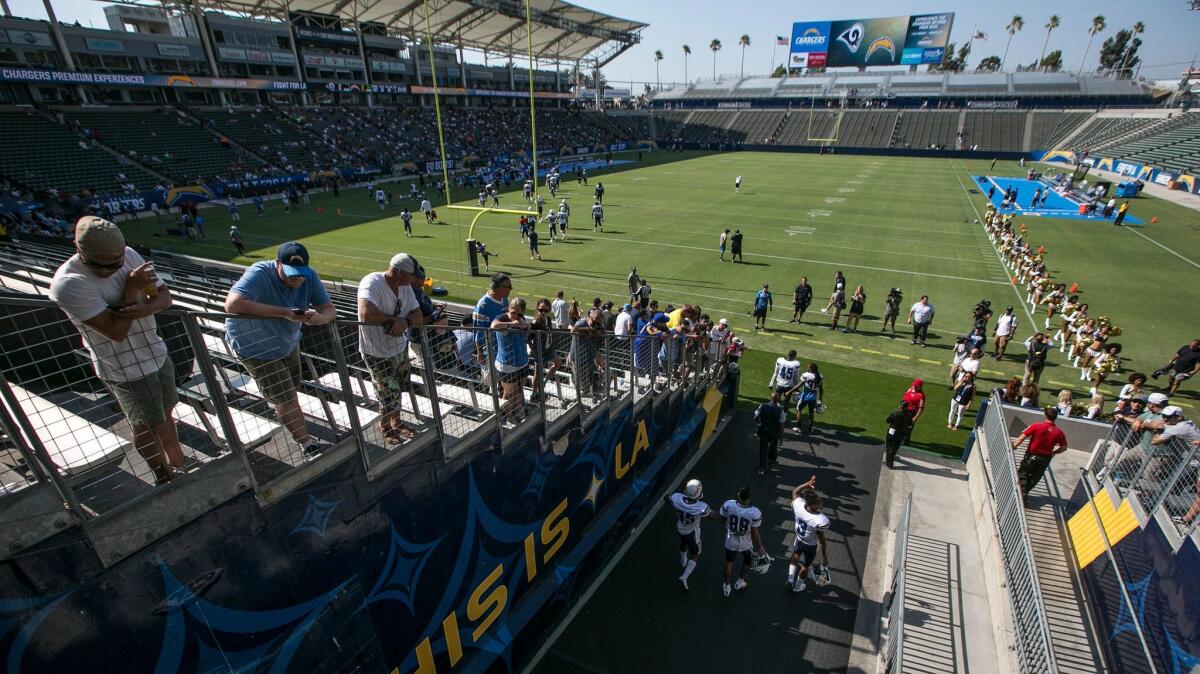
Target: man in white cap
111 295
718 339
387 307
276 297
1175 426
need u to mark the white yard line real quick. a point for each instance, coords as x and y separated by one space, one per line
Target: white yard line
1191 262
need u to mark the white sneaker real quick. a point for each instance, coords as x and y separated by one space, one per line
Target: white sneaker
799 586
824 311
741 584
725 589
683 583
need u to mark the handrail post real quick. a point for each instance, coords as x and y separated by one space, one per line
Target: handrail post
213 384
39 449
347 397
429 378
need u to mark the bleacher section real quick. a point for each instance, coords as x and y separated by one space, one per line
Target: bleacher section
994 130
272 137
867 128
756 126
41 154
170 142
1050 128
926 128
807 127
1103 130
1173 144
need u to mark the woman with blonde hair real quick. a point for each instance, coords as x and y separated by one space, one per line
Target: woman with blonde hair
1064 403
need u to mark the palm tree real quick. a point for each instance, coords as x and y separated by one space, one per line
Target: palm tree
1013 27
715 46
1138 29
743 42
1098 26
1053 23
657 57
686 52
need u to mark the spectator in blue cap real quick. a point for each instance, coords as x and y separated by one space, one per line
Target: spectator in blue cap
276 297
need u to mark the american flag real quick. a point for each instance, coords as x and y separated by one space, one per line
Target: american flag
781 41
979 35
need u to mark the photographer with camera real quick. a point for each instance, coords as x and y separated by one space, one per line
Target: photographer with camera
981 314
891 308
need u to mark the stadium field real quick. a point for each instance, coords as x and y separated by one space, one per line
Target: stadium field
883 221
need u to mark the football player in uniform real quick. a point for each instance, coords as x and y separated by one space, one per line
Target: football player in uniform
742 521
811 525
689 510
786 378
597 217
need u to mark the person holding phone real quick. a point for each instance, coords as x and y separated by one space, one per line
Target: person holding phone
272 299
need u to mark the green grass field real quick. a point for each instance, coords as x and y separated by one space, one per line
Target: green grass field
883 221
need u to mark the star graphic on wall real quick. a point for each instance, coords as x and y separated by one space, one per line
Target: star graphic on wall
316 516
402 573
593 492
1182 662
1137 593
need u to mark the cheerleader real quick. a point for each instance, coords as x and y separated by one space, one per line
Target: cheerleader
1073 314
1094 350
1108 363
1064 403
1053 300
1084 334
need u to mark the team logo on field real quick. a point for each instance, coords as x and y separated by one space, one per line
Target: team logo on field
881 44
852 37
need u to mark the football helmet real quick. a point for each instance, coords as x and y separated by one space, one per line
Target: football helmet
819 574
694 489
761 563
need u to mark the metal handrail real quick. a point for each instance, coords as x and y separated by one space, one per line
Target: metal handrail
1033 642
894 652
235 417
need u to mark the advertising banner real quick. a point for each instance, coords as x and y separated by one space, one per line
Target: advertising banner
460 91
109 79
887 41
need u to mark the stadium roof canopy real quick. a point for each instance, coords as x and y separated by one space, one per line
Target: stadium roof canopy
561 31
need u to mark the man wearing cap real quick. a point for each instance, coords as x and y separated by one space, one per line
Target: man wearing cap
718 339
649 334
387 308
763 302
1175 426
586 341
111 295
914 397
272 299
1006 326
1045 440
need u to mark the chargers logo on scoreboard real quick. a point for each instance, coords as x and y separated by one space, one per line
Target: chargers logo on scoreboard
882 44
810 43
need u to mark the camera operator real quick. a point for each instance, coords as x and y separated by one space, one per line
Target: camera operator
891 308
981 314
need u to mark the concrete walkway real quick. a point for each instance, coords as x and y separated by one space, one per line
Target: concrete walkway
948 621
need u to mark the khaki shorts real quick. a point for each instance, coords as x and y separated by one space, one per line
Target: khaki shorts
277 379
148 401
392 378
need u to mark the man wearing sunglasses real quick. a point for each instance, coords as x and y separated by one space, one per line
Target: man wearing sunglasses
111 295
276 297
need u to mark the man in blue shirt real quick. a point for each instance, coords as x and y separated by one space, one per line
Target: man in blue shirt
277 297
762 303
489 307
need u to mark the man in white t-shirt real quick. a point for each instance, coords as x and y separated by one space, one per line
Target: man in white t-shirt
1006 326
970 364
920 316
387 307
560 312
624 327
427 209
718 339
111 295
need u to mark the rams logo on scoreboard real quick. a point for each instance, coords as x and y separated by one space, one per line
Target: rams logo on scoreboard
852 37
881 44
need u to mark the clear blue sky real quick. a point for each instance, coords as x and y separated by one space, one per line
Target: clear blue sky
1170 38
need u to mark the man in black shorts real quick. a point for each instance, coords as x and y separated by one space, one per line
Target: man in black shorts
1183 365
801 298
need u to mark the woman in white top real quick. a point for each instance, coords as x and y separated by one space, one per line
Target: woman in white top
1133 389
1064 403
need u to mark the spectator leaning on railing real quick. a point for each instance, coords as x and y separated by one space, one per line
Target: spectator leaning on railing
387 308
273 299
111 295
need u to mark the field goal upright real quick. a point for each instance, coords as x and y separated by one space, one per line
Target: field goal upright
816 119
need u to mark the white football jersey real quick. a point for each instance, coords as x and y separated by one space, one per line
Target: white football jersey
739 520
808 524
689 513
786 372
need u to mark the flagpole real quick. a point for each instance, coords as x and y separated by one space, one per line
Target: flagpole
771 70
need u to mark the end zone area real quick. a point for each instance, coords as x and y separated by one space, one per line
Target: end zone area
639 619
1056 205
